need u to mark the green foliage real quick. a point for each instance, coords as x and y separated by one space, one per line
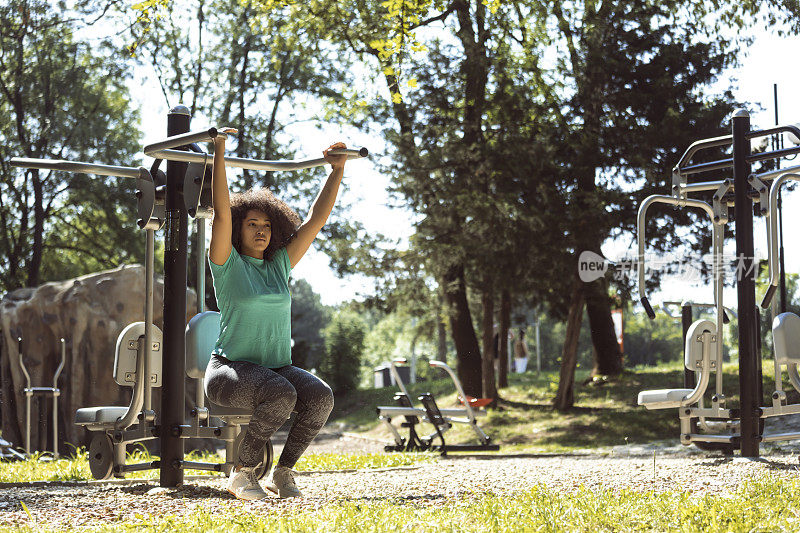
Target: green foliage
397 335
62 98
76 467
650 342
40 467
344 347
551 334
315 462
309 317
383 342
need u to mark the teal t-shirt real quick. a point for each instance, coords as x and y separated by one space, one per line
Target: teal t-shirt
255 309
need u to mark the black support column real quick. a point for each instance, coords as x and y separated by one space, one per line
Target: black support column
745 281
687 317
175 265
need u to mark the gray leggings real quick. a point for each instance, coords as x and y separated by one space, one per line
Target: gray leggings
272 395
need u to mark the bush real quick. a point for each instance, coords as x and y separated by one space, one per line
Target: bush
344 347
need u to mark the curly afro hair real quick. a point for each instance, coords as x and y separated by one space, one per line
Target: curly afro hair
285 220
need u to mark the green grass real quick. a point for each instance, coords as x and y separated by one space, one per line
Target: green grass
762 504
357 461
605 412
76 467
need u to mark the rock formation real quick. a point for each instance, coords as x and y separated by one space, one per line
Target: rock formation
89 312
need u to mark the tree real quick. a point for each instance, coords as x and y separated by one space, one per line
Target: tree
309 318
61 99
607 115
344 346
255 72
441 148
637 76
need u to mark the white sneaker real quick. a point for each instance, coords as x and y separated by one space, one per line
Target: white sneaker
244 485
282 483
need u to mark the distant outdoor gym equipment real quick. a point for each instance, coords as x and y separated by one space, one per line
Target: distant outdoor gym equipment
47 392
145 357
717 426
441 419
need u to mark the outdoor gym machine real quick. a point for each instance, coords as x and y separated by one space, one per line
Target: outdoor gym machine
441 419
168 205
48 392
741 427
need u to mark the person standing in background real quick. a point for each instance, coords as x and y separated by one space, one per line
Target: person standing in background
520 352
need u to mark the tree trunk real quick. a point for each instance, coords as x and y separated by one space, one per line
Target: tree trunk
9 410
505 324
607 355
35 266
441 334
441 329
468 352
565 398
487 305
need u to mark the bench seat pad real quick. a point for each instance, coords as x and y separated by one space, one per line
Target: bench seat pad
99 415
220 411
663 398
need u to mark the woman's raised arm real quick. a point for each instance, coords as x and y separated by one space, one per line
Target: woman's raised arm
320 209
221 226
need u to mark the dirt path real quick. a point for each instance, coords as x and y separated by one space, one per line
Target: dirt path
659 467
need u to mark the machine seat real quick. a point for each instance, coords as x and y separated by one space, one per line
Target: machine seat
201 337
91 416
227 412
786 338
663 398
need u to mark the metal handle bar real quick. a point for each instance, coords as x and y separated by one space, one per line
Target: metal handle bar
256 164
772 174
714 142
773 154
717 142
640 230
141 393
772 234
22 364
183 139
787 128
60 366
725 310
714 185
397 378
444 366
76 166
705 372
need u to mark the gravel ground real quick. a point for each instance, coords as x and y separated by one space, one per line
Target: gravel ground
659 467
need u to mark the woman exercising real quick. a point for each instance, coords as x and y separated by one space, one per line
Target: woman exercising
256 240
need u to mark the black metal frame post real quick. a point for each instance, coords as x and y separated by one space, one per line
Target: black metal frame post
686 322
176 234
748 333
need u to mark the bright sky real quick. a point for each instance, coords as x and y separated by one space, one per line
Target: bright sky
766 62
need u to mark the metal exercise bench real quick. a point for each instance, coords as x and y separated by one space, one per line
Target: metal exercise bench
441 419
